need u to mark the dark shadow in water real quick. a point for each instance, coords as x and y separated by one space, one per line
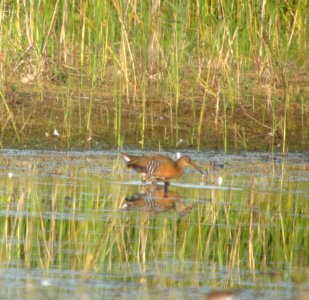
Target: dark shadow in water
152 198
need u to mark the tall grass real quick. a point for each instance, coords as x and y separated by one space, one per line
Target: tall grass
218 47
65 215
221 35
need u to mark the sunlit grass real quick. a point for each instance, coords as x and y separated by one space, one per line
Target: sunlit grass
204 63
67 216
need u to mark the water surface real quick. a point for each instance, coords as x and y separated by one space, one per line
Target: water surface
81 225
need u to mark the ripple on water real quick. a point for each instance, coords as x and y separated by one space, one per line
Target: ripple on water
64 235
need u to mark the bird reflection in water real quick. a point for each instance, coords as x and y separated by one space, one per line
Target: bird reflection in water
223 294
153 198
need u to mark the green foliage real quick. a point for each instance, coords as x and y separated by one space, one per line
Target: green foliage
221 56
62 214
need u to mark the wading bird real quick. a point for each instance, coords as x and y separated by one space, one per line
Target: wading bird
159 168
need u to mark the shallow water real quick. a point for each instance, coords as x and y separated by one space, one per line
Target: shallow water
80 225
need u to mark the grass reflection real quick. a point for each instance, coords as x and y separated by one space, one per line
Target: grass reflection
65 214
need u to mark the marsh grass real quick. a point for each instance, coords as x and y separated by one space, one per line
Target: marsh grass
224 55
63 214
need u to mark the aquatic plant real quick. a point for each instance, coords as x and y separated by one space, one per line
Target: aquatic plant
218 59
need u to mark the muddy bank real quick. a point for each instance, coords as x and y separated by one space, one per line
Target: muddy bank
101 118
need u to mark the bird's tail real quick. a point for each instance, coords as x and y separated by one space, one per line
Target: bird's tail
127 157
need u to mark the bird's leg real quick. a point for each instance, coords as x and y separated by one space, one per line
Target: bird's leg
166 185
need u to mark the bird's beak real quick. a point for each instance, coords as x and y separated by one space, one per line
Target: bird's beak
194 166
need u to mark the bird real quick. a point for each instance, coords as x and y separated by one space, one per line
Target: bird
159 168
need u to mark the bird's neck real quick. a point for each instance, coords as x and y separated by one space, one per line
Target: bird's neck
180 164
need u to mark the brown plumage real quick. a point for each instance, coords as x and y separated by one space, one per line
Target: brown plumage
158 167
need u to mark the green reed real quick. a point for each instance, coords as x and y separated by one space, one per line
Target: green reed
216 49
73 221
117 28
